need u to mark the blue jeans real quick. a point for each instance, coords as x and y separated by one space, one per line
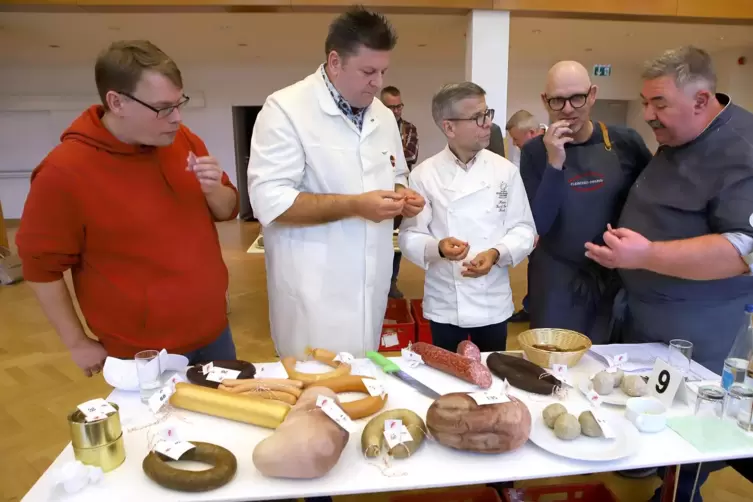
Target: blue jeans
221 349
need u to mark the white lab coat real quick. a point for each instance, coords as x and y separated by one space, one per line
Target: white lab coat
486 206
328 283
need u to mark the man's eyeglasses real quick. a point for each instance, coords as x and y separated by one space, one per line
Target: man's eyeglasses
161 112
576 101
395 107
479 118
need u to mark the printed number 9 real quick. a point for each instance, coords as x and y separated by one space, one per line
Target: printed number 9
663 379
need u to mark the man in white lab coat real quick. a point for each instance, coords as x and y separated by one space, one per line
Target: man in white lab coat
326 178
475 225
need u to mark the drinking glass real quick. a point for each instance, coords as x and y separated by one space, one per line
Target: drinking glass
738 405
680 355
149 372
710 402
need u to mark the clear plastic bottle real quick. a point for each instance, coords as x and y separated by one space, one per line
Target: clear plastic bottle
738 361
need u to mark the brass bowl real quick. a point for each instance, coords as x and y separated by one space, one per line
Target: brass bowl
571 344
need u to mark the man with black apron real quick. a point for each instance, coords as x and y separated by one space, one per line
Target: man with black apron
685 241
577 177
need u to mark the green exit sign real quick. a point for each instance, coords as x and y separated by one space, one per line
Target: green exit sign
602 70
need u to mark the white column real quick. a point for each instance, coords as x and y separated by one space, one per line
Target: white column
487 50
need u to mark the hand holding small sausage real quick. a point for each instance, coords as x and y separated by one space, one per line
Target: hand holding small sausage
379 205
414 202
453 249
555 139
481 264
207 171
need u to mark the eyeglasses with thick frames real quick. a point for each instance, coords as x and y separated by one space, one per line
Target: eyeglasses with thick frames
558 103
395 107
479 118
161 112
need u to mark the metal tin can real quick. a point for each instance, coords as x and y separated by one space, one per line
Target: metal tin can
98 443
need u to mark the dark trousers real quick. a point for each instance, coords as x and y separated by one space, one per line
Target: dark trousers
489 338
221 349
685 482
396 265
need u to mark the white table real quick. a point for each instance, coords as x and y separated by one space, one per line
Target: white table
432 466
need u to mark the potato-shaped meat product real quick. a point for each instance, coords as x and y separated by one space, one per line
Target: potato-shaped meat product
617 376
457 421
567 427
551 413
603 383
306 445
634 386
589 426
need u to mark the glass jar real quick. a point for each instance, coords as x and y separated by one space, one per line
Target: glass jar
738 405
710 402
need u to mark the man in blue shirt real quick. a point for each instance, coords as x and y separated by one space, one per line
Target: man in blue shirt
577 176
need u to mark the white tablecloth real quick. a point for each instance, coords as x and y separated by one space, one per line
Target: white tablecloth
432 466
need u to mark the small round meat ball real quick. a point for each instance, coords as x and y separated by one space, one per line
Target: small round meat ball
617 376
589 426
551 413
567 427
603 383
634 386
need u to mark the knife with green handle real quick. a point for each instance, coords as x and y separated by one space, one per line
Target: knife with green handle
393 369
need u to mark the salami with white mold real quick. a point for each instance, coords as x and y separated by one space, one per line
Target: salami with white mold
465 368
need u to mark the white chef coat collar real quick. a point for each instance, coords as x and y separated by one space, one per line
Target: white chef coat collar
455 160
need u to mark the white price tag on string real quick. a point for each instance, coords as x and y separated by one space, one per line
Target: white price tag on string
96 409
395 433
159 398
413 359
173 449
169 433
606 429
344 357
560 371
374 387
489 397
594 398
330 408
618 360
218 374
207 368
390 340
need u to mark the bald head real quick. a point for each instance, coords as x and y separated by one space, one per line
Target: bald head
567 74
569 94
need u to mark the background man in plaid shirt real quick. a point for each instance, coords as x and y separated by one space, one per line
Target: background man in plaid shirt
391 98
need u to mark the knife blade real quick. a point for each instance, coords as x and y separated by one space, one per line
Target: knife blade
393 369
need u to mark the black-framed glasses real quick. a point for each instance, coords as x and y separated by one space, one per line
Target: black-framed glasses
161 112
479 118
395 107
558 103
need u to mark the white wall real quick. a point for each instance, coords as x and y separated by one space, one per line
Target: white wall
735 79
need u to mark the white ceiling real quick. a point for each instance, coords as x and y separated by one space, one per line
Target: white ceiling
25 38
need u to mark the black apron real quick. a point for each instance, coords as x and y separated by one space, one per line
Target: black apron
567 290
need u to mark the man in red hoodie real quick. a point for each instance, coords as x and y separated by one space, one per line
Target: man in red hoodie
128 202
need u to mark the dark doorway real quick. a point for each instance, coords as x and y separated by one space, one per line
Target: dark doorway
244 118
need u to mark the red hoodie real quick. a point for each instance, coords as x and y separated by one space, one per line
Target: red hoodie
135 229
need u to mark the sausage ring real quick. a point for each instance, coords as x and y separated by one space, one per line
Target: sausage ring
353 383
224 464
321 355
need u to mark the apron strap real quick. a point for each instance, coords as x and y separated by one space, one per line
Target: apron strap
605 133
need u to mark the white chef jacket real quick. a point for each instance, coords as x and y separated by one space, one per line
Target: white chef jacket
483 203
327 284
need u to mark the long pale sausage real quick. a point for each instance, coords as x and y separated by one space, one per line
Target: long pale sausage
460 366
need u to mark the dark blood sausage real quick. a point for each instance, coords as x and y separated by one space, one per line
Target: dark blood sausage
462 367
523 374
468 349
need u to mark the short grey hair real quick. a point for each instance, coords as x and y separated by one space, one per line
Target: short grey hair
443 102
689 65
523 120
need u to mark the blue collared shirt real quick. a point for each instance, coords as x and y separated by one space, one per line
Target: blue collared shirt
354 114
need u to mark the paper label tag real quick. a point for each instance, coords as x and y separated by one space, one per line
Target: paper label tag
218 374
159 398
390 340
344 357
395 433
413 359
664 382
173 449
611 369
619 360
96 409
593 398
374 387
169 433
336 413
603 423
175 379
489 397
207 368
559 370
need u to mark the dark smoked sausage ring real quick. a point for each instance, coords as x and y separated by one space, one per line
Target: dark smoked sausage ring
224 464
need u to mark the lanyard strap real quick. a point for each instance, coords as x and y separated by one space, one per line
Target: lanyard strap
605 133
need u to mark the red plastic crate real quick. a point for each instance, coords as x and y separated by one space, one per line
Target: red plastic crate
423 328
404 327
480 494
596 492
